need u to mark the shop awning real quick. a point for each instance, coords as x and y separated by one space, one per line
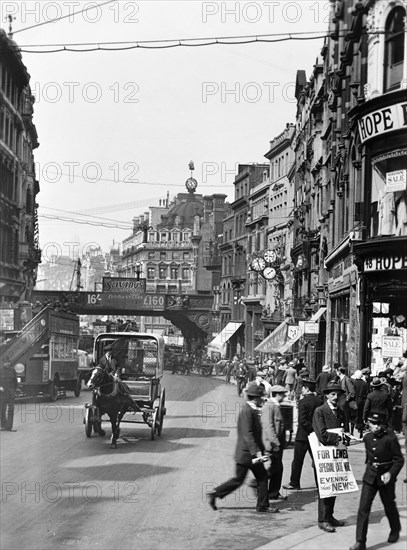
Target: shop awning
300 333
224 335
275 340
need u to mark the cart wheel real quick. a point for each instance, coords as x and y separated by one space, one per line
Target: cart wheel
154 423
54 390
77 390
88 421
161 413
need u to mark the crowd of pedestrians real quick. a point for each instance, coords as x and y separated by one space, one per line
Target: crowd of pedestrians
333 406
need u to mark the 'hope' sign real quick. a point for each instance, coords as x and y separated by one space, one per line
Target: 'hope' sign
385 120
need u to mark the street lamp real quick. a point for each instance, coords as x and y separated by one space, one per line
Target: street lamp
138 270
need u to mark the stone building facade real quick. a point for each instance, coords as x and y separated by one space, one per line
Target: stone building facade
19 237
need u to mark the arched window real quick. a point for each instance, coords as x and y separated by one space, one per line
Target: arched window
394 49
29 202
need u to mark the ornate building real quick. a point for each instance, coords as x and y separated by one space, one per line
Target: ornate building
175 248
20 253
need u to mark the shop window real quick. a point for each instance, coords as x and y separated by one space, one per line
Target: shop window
340 330
389 195
394 49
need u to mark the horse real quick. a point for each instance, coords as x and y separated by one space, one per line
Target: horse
112 397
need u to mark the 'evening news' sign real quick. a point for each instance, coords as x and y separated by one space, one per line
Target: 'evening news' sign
334 472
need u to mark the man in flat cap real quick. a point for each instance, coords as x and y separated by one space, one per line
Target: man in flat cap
384 461
249 448
327 417
274 439
306 407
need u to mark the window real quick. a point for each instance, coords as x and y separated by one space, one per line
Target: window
185 273
394 49
150 273
388 210
163 255
162 272
174 272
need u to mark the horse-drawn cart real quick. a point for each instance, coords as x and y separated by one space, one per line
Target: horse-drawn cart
132 390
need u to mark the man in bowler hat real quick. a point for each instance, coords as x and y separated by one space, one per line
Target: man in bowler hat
384 461
306 407
249 448
327 417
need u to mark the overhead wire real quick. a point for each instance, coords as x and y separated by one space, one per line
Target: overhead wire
84 10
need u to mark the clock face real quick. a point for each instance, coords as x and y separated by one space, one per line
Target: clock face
191 184
269 273
270 256
258 264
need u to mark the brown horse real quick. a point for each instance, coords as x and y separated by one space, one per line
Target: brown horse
111 397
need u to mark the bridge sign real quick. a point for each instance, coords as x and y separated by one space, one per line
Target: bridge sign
94 303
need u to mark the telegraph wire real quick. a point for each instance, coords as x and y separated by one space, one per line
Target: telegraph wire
92 7
178 42
188 42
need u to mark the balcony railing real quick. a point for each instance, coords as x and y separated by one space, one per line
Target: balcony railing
212 260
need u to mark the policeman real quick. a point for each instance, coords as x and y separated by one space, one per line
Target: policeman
384 461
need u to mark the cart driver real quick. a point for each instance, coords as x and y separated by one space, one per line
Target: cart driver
108 362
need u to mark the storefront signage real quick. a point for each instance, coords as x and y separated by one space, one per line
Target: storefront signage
392 346
382 121
385 262
124 285
311 327
396 181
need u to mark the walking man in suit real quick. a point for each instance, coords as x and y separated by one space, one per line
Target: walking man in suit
306 407
274 439
327 417
249 447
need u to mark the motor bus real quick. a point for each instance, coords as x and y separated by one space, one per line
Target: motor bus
53 368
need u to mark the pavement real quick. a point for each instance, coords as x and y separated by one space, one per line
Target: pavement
313 538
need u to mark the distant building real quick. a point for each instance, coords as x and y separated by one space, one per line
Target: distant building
19 238
173 247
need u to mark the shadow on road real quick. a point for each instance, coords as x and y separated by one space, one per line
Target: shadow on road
182 433
121 472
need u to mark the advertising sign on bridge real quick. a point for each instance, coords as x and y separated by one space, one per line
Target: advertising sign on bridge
96 303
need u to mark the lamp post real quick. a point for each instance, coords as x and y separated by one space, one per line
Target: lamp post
138 270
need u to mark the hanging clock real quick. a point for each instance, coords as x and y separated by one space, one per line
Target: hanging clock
270 256
258 264
269 273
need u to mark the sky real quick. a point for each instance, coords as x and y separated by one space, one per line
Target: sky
117 129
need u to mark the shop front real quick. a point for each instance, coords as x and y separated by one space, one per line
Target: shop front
382 255
343 322
384 300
